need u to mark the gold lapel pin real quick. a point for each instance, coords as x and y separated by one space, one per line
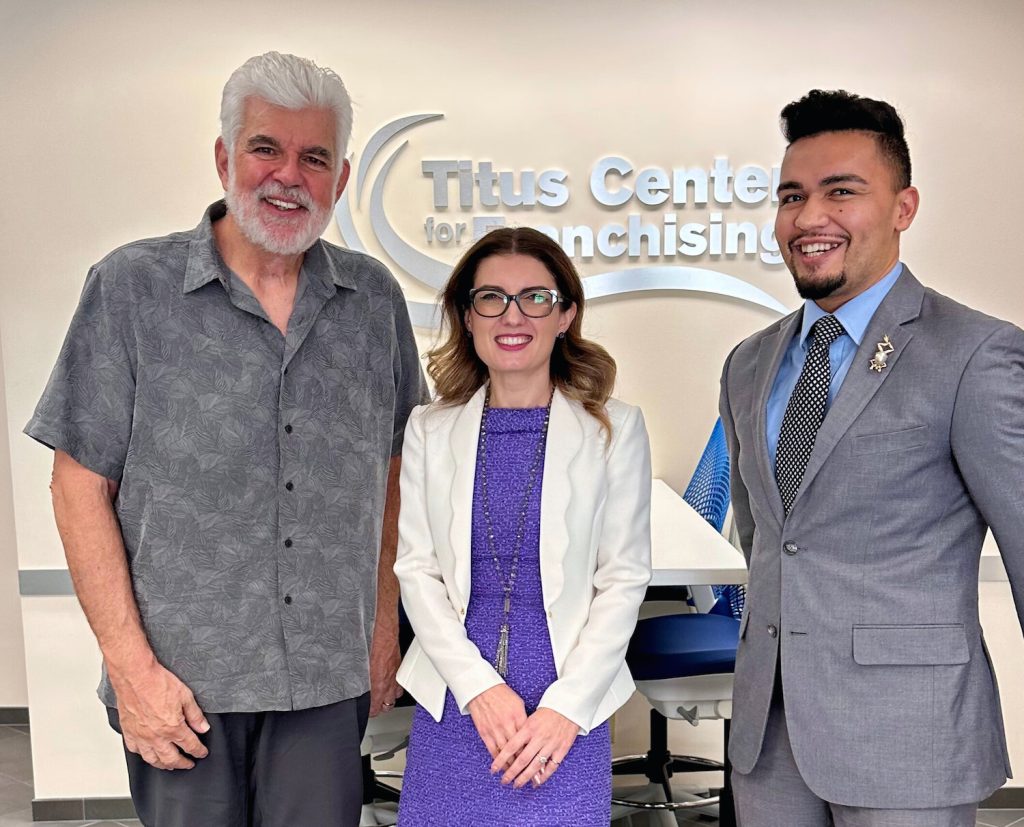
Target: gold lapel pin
882 354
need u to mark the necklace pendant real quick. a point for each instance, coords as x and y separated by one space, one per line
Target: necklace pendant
501 659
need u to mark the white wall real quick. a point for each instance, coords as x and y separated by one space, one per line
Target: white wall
110 112
12 650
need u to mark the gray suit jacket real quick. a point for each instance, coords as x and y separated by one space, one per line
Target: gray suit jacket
868 589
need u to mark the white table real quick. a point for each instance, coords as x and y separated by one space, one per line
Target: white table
685 549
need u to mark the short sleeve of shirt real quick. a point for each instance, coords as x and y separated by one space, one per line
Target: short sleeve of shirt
410 384
86 409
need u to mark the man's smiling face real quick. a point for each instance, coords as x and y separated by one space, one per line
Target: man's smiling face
282 177
840 215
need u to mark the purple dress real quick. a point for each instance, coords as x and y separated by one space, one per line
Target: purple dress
447 777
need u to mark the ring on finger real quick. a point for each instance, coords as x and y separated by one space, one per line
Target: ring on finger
543 759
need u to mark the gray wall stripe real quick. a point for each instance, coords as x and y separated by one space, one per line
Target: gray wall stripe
45 582
40 582
992 568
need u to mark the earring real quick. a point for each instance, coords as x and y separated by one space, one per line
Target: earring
469 334
561 334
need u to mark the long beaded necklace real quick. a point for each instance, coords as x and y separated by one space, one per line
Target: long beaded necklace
508 582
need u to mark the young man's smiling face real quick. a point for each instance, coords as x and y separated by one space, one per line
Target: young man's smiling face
840 215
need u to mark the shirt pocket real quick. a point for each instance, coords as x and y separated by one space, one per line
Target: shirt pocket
934 644
890 441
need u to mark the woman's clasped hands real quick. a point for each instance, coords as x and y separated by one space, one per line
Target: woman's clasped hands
526 747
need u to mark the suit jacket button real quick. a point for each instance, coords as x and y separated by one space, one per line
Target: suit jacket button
772 631
791 548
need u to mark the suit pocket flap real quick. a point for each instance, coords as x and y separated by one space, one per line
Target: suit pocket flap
890 441
919 645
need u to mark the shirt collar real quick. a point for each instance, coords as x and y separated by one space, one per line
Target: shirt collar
205 263
325 272
856 314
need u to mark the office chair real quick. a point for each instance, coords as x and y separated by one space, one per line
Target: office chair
386 735
683 662
708 494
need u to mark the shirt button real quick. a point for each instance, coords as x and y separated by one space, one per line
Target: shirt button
289 485
287 429
790 548
288 543
462 612
288 600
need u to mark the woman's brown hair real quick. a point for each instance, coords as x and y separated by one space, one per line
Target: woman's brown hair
582 370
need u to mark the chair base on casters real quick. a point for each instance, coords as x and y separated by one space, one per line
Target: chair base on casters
659 765
385 735
380 800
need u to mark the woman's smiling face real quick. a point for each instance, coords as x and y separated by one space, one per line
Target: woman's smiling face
514 345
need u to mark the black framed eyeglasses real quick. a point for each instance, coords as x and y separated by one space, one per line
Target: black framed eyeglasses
535 302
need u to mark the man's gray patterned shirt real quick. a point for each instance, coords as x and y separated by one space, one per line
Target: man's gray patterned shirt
252 466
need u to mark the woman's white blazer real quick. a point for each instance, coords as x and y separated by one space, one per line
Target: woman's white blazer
595 554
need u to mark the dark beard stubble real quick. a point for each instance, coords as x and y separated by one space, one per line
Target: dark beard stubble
815 290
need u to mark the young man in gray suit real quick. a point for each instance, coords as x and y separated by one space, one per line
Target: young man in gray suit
875 435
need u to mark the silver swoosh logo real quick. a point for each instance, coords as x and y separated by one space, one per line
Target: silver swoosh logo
434 273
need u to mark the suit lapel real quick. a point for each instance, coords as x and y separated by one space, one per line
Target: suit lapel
900 306
769 360
565 438
463 443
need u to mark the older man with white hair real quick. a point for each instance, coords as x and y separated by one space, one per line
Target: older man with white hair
227 416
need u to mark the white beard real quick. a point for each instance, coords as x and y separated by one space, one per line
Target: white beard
278 237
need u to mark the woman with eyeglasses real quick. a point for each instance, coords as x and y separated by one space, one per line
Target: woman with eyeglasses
524 549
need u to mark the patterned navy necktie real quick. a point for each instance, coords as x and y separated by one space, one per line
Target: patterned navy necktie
806 410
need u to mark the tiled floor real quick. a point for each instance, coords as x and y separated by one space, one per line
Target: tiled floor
16 793
16 785
986 818
1001 818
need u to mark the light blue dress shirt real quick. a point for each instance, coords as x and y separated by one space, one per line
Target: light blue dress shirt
855 316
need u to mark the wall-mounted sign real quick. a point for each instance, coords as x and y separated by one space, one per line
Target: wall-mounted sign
646 239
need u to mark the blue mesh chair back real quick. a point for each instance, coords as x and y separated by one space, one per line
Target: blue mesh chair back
708 491
708 495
